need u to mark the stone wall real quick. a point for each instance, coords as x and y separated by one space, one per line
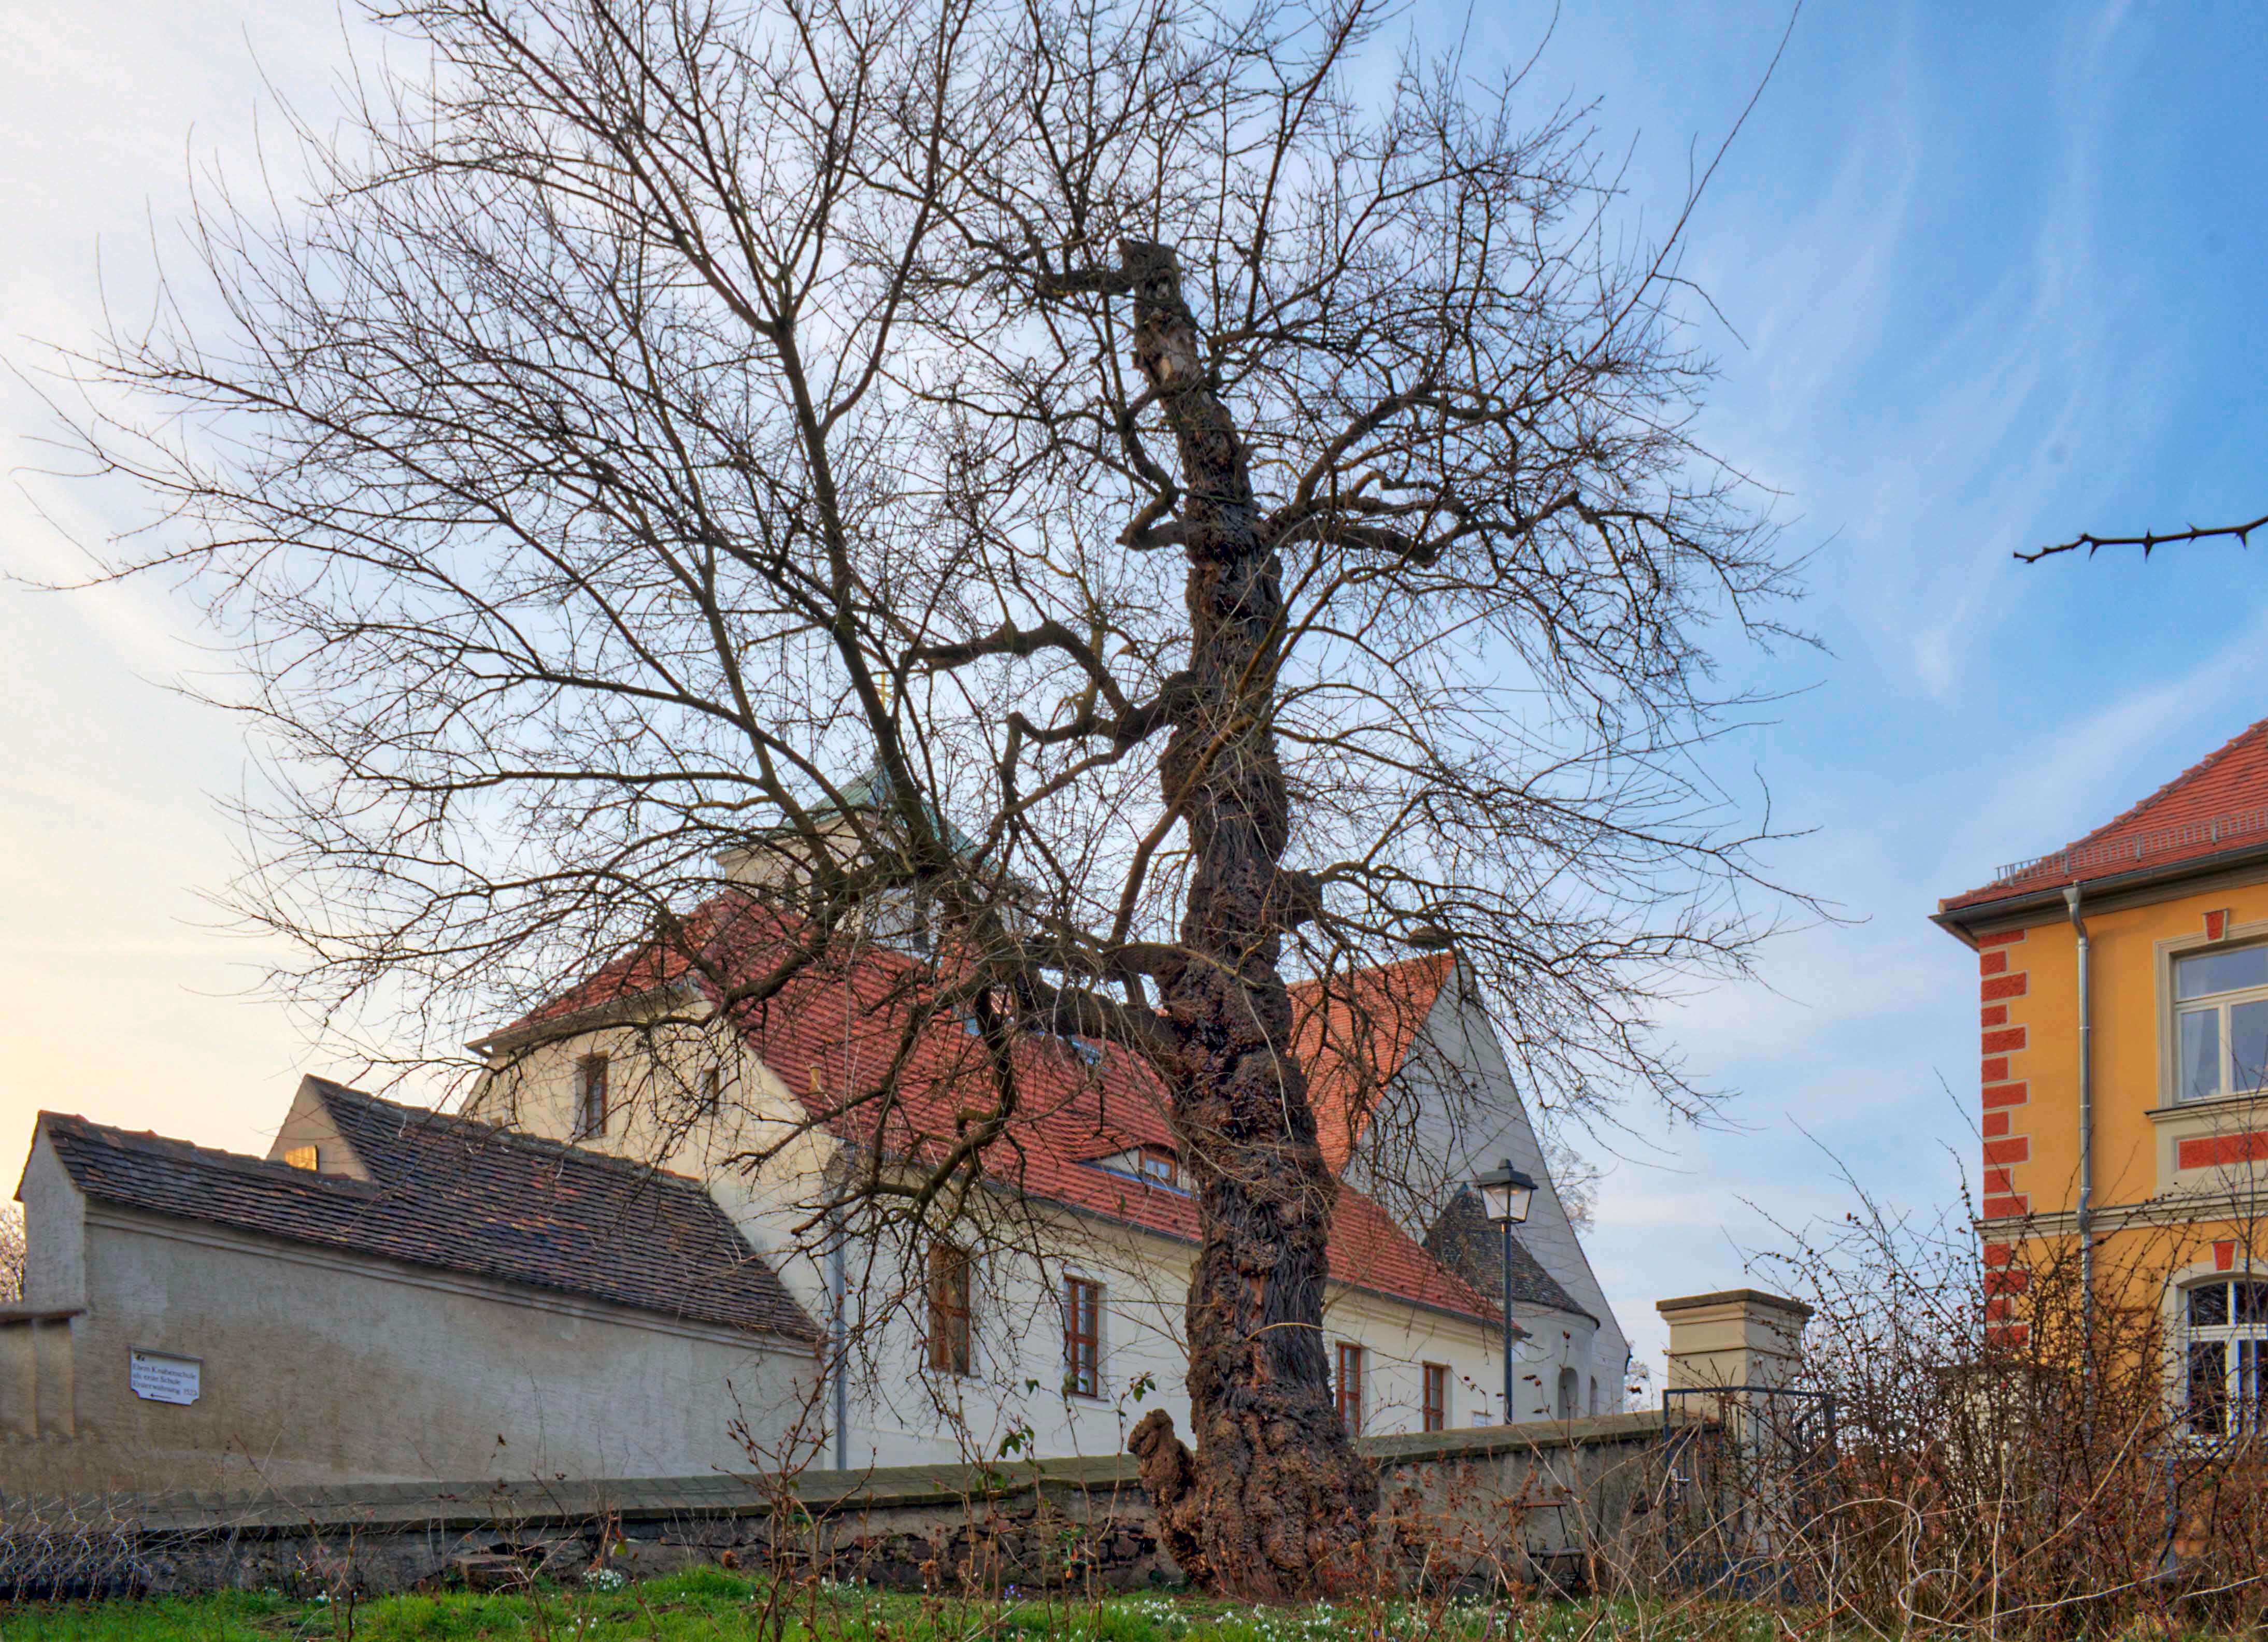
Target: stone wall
1560 1503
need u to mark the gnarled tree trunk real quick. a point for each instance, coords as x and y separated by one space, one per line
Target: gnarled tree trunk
1276 1501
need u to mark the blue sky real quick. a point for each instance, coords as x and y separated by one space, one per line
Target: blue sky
1994 275
1990 276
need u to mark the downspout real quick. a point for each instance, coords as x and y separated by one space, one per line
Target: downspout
2086 1128
838 1294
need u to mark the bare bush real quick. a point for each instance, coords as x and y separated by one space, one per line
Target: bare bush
12 1252
2025 1444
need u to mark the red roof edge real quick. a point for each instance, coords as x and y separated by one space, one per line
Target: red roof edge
2217 805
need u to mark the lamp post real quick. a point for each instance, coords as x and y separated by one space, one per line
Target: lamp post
1506 1195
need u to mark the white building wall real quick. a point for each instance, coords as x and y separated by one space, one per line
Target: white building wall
320 1367
901 1412
904 1412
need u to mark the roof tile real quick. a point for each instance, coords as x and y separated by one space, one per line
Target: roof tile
845 1028
463 1196
1353 1032
2217 803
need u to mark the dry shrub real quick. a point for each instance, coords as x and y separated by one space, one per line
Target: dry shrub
11 1254
2008 1457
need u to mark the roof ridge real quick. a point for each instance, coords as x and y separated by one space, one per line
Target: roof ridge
2186 818
434 1117
150 1140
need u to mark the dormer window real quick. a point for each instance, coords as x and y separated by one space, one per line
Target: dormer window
1152 1165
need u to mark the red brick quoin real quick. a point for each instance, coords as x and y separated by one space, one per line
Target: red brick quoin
1997 1040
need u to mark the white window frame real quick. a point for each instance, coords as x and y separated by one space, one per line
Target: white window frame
2217 1003
2244 1355
1361 1402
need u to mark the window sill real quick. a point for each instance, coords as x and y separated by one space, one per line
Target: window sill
2257 1101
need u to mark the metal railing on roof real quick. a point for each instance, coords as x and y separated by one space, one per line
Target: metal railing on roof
2136 848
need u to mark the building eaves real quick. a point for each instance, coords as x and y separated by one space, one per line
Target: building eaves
1969 914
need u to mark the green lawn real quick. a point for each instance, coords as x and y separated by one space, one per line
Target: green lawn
710 1603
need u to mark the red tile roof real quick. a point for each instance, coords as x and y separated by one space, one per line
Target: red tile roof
2218 804
1352 1034
845 1037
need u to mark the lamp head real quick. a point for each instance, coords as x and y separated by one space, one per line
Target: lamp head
1507 1194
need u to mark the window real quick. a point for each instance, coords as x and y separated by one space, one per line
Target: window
1437 1395
308 1158
2225 1347
590 1096
2220 1022
1569 1380
1349 1387
712 1090
1151 1165
949 1334
1082 1337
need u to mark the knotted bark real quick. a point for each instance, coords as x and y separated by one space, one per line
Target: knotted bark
1274 1502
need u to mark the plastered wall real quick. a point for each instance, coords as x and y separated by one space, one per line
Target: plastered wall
317 1368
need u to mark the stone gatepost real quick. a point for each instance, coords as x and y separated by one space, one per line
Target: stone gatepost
1738 1337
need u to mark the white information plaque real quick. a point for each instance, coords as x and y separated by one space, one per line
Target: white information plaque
157 1378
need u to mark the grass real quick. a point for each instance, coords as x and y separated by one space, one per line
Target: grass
709 1604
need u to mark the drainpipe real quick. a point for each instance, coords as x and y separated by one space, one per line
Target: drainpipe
2086 1128
838 1294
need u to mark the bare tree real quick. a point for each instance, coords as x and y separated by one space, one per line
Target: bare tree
1127 502
12 1252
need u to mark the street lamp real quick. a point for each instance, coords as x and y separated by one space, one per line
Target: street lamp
1506 1195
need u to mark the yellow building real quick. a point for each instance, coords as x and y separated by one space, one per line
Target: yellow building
2122 1023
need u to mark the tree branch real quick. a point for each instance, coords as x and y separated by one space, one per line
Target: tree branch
2149 541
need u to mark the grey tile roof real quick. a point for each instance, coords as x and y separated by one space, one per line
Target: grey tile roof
461 1196
1464 1240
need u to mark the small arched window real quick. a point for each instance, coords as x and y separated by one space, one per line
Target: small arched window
2225 1357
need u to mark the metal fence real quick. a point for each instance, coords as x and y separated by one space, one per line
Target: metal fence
1748 1477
